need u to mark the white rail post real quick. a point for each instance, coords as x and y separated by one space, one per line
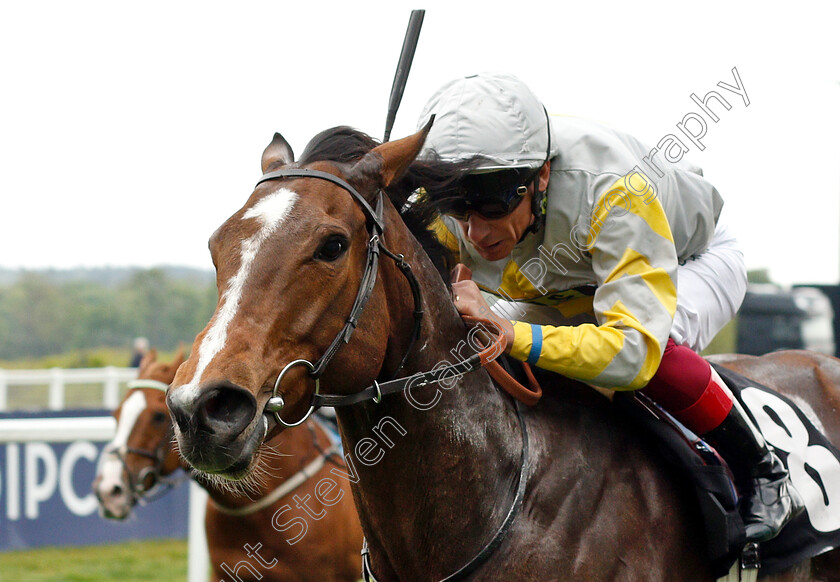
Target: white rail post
56 395
198 566
111 395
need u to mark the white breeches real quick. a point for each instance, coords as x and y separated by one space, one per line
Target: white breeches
710 289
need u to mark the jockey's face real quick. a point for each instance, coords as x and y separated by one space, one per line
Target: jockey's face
494 238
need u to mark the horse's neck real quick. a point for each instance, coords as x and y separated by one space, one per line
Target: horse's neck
422 469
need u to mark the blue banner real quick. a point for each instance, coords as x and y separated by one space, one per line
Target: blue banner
46 497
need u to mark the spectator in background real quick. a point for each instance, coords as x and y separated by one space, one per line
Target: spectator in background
141 348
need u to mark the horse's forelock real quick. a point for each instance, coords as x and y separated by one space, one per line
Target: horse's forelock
340 144
344 145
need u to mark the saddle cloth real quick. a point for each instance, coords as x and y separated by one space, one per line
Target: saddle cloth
812 461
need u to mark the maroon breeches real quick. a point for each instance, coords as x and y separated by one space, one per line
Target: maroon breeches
685 386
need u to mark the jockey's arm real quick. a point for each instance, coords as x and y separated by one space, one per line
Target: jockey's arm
634 262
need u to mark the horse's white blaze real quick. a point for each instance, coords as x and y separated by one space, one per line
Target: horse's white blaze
271 211
111 468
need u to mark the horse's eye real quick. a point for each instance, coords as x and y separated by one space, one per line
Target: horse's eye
159 417
332 248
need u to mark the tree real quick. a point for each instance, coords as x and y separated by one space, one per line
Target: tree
40 317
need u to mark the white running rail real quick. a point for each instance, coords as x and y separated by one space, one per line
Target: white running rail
57 379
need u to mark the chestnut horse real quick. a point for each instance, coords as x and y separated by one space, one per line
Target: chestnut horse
451 477
243 528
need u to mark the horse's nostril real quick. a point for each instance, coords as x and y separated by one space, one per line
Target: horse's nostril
116 490
181 407
220 406
225 410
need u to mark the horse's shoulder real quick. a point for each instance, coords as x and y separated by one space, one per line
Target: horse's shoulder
589 455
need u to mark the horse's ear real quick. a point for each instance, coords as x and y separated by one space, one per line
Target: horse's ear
148 358
179 357
389 161
278 153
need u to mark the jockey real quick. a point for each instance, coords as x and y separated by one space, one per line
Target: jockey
577 216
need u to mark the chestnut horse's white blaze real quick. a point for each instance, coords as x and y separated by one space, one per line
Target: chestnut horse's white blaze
271 211
112 467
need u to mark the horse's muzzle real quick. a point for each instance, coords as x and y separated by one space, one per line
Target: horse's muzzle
217 427
114 498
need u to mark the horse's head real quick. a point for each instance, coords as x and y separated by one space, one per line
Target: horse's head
141 452
289 264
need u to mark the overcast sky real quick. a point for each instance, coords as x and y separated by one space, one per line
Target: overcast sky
130 131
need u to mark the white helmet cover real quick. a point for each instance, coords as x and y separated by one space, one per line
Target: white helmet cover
494 116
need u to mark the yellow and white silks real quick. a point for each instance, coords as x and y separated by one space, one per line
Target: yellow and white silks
617 226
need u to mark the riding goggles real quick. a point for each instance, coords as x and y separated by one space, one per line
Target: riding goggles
492 194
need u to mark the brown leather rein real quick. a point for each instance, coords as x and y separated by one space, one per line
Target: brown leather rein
529 395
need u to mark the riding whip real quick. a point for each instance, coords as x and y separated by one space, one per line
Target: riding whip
415 22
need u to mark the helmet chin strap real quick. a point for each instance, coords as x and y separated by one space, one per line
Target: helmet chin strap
538 201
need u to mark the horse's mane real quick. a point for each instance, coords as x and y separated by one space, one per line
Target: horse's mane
344 145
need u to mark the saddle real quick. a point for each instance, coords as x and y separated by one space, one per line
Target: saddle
698 463
792 435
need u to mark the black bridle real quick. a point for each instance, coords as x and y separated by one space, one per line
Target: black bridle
375 392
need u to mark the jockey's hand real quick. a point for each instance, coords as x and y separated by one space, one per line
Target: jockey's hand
469 301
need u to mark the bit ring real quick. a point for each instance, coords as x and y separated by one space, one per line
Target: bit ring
277 402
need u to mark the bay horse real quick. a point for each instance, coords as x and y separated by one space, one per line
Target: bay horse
243 524
452 478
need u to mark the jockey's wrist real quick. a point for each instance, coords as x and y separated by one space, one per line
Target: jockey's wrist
507 329
522 347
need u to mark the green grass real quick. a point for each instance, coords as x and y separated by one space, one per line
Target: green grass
152 561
